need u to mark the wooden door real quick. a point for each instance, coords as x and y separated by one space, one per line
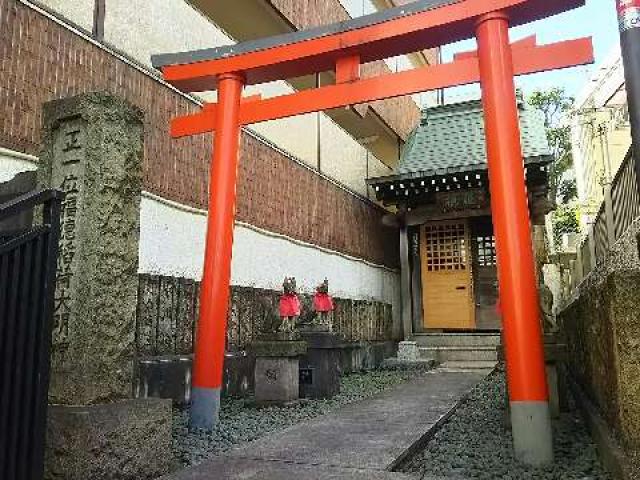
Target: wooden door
447 288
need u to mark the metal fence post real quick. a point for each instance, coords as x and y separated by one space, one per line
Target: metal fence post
608 210
591 238
629 21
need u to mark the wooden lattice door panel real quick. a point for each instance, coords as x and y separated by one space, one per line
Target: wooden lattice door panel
446 276
485 275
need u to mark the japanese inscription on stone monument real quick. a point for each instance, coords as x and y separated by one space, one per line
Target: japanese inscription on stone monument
68 177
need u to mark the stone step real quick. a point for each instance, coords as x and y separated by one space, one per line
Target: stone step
457 339
460 354
467 366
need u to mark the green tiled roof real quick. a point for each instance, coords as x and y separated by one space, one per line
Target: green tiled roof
451 137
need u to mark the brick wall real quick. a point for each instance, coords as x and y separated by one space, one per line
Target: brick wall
42 61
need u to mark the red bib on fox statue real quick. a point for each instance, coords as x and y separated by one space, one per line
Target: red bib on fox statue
322 301
289 305
289 301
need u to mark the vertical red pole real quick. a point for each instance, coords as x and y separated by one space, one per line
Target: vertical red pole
528 392
214 290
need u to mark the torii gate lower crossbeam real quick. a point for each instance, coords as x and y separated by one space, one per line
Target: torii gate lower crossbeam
347 45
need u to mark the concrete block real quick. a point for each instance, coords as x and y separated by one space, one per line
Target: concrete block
164 377
408 351
320 367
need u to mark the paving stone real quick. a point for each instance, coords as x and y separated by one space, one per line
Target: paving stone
362 440
249 469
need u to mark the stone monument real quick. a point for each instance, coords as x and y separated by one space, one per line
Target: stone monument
93 150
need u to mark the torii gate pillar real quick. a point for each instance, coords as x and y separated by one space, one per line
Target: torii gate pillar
208 365
528 392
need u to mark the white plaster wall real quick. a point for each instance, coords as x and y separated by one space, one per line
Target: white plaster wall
296 135
172 243
79 12
12 163
377 168
142 28
342 159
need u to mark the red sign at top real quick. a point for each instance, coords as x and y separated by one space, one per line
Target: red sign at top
624 5
628 14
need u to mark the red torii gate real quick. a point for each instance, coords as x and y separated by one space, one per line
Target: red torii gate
343 48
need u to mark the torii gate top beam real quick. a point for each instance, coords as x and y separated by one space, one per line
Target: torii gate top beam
417 26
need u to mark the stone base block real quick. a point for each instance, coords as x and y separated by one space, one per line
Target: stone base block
124 440
359 356
164 377
169 376
320 367
277 379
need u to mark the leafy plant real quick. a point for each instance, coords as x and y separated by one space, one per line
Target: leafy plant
565 219
556 107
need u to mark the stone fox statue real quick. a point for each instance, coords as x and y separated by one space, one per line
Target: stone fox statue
323 304
289 305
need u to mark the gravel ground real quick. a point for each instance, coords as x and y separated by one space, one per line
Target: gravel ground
241 421
475 443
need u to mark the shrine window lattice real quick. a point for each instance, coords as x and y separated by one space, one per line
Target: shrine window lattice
486 251
446 247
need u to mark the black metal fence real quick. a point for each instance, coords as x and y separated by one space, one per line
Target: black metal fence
27 282
620 208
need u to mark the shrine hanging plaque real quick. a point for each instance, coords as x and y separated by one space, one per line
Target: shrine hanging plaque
461 200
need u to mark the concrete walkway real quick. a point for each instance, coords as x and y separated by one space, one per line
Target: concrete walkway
363 440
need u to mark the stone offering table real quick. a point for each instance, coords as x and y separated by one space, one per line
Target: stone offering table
277 372
320 367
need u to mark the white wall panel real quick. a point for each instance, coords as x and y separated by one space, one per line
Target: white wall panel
79 12
172 243
12 163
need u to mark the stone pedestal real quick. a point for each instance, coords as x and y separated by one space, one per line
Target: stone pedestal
127 439
92 150
320 367
277 371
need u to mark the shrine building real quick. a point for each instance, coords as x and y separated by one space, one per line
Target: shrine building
441 193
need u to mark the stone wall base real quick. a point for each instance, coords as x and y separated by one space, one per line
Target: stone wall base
169 376
602 327
124 440
612 455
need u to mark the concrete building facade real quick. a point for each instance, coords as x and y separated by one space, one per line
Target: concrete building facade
601 134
